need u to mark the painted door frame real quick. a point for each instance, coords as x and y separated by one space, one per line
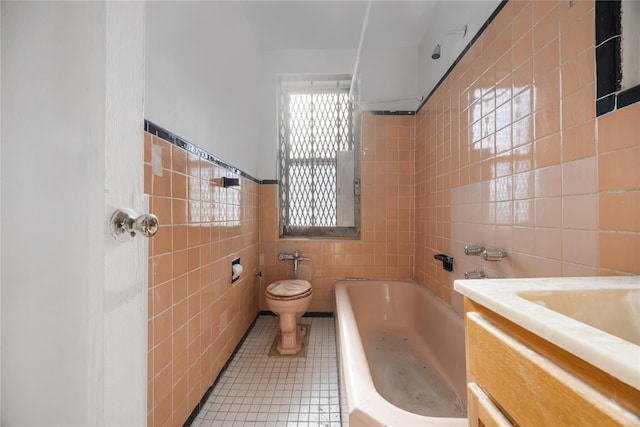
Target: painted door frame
126 264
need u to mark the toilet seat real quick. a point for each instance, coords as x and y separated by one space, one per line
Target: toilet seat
285 290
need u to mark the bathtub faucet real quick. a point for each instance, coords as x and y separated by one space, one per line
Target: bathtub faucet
295 257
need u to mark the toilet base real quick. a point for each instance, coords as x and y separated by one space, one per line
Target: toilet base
291 334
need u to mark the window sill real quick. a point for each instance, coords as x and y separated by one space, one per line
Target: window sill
316 233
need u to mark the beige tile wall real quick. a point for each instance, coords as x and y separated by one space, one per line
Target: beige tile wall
386 247
509 153
196 316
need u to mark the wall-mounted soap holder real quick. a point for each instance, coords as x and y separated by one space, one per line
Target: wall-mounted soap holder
447 261
488 254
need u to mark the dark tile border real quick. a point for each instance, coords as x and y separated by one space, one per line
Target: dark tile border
392 113
607 20
207 393
489 20
608 62
174 139
307 314
458 59
609 59
605 105
629 96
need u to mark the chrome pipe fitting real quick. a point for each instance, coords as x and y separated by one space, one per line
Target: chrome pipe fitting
296 257
493 254
474 274
475 250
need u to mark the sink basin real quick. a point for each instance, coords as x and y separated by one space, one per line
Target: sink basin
615 311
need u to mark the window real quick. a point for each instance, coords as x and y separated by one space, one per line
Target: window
318 158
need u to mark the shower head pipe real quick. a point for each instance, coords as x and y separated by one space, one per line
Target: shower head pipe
438 49
363 31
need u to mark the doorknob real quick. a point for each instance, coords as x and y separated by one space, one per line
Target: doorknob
125 224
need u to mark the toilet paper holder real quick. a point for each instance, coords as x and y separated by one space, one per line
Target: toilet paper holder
236 270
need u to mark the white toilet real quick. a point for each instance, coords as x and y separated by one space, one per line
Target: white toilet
289 299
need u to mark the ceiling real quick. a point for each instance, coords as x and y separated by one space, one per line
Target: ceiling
337 24
393 26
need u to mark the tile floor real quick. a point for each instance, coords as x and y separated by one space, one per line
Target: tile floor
258 390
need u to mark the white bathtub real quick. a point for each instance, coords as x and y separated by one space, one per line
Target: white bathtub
397 340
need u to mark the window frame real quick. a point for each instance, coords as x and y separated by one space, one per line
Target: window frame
291 84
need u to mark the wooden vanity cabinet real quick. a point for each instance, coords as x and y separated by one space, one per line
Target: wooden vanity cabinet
517 378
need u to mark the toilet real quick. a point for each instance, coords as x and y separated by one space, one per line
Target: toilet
289 299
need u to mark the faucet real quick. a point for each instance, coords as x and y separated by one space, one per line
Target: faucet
295 257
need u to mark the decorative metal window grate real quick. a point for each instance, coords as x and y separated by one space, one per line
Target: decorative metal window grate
317 160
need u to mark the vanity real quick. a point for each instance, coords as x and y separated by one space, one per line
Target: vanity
553 352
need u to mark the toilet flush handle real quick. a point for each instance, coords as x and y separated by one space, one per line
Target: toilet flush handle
297 256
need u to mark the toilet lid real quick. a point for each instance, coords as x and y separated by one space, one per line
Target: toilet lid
285 289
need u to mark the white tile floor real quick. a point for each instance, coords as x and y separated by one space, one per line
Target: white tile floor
258 390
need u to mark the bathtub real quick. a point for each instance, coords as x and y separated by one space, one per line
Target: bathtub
401 355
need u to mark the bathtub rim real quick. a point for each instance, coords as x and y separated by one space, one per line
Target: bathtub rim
363 400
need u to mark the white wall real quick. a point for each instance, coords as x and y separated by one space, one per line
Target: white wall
389 75
202 78
208 81
0 217
630 41
53 121
61 63
472 13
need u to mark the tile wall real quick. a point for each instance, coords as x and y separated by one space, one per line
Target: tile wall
196 316
509 153
386 247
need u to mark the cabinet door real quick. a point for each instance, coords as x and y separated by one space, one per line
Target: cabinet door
482 412
530 389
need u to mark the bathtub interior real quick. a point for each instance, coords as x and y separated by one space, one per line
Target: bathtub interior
414 346
404 375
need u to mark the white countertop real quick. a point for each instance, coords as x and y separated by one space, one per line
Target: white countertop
616 356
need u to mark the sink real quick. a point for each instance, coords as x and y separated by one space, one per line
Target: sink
594 318
615 311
